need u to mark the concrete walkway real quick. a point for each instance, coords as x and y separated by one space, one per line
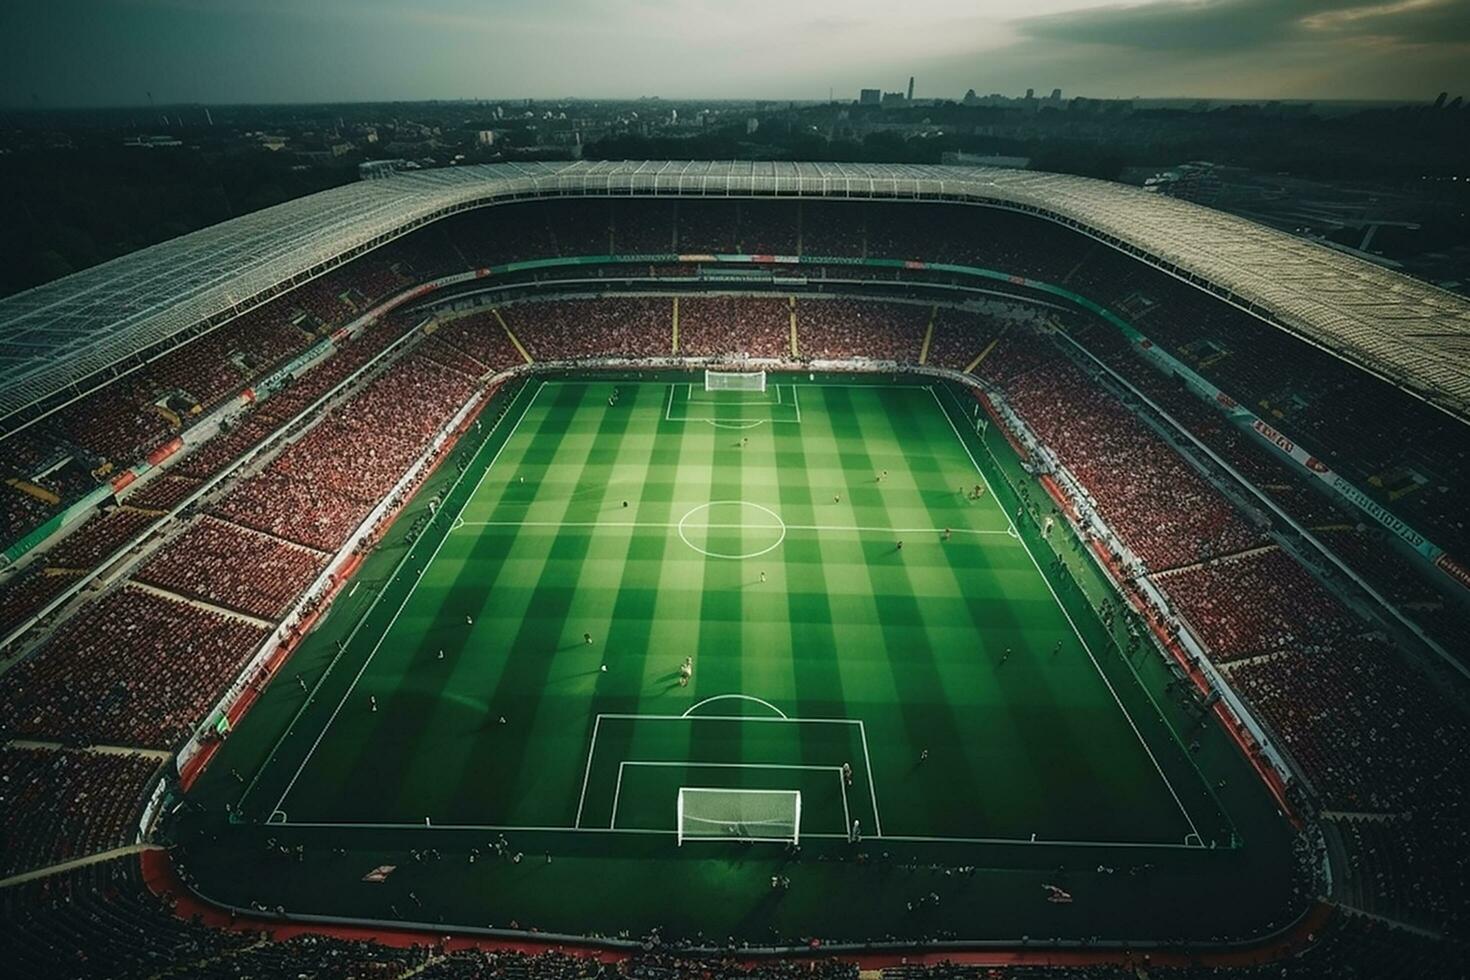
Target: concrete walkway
80 862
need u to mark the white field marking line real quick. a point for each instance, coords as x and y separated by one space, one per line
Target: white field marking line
587 771
797 402
754 422
402 605
734 425
842 785
352 636
1078 633
736 697
618 789
623 716
677 764
530 829
872 779
612 823
667 525
719 554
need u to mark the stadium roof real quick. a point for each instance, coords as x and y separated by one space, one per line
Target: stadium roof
60 339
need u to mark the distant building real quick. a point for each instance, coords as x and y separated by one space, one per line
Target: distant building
870 96
1056 95
1030 94
911 88
485 137
1196 181
960 159
151 142
379 169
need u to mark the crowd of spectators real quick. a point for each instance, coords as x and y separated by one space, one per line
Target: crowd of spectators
841 328
28 592
1288 610
130 668
101 923
710 326
621 326
59 804
232 567
1162 508
99 537
1369 728
319 489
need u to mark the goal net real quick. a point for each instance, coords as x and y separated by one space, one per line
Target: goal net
739 814
734 381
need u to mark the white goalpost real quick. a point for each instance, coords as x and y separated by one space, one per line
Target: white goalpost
772 815
734 380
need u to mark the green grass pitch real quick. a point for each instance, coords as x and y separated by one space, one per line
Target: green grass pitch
758 534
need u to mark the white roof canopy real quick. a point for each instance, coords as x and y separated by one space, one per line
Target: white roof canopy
71 334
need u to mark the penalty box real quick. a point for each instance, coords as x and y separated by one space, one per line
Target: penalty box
778 404
636 765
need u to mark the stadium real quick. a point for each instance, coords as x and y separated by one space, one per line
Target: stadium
735 569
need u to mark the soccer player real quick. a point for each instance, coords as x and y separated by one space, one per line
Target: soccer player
763 576
924 755
855 835
587 638
469 620
372 702
837 498
686 671
946 534
1046 528
847 773
441 653
900 544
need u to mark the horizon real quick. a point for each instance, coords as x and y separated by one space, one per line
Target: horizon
123 53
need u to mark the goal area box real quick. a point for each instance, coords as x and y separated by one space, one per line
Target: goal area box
734 380
718 814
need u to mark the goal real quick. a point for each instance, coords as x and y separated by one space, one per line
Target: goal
739 814
734 381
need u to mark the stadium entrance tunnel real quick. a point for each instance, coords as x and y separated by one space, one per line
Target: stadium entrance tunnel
732 529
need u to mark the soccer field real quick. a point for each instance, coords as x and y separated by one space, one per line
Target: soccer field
846 599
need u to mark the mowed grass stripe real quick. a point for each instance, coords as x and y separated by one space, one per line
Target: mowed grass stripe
972 620
573 596
926 712
719 664
436 710
1071 740
651 625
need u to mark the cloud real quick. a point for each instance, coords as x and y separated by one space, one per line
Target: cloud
1238 25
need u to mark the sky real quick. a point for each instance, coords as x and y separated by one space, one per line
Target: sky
116 52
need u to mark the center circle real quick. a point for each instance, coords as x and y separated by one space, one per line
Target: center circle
731 518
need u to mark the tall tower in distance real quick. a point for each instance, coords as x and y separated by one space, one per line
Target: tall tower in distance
911 89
